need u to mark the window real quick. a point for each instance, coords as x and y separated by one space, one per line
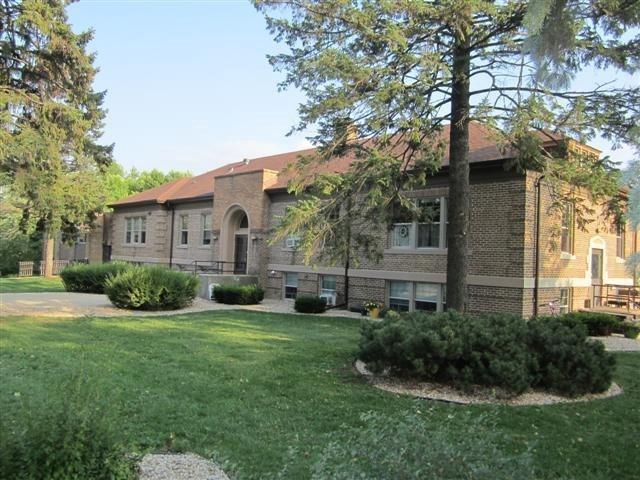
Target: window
82 239
290 285
425 297
429 228
244 222
620 234
564 303
184 229
206 229
135 231
328 284
399 296
427 232
566 236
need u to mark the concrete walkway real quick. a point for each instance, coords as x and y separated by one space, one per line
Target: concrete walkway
618 343
66 304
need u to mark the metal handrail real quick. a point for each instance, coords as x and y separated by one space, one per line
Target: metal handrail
219 267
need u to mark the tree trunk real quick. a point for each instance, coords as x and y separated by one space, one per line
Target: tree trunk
458 208
46 266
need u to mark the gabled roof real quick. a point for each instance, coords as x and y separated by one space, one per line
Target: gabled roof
483 147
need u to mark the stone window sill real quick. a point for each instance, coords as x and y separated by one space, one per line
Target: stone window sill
567 256
415 251
620 260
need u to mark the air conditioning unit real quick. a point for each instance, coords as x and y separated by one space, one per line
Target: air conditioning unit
330 298
292 242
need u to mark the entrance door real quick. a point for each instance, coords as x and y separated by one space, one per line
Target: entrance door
596 275
240 255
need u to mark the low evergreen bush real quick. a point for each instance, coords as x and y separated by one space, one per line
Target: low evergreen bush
90 278
566 361
597 324
450 348
491 350
238 294
151 288
73 435
310 304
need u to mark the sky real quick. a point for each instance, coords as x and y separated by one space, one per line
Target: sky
189 86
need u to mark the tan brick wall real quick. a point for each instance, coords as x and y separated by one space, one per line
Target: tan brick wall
194 250
156 249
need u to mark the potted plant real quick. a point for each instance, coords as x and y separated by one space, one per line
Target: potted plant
373 308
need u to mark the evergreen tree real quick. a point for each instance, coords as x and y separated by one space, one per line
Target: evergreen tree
50 120
396 72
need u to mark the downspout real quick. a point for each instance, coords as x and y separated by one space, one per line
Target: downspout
173 214
536 285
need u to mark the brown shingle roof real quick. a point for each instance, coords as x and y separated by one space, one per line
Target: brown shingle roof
482 148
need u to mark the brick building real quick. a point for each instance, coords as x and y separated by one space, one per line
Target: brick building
221 220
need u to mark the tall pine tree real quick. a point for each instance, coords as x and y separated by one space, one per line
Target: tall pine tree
398 71
50 120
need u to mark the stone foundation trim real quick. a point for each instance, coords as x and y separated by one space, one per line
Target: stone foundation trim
480 280
135 258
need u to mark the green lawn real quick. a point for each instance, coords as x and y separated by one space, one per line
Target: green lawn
247 386
30 284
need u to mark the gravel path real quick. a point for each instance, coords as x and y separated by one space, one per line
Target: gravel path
479 395
186 466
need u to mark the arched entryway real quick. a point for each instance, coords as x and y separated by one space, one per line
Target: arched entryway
234 235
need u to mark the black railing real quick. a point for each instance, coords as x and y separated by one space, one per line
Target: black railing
219 267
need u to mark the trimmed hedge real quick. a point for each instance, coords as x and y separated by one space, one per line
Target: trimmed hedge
631 331
492 350
90 278
597 324
310 304
151 288
238 294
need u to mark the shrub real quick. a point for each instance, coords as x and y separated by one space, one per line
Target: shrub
151 288
568 362
597 324
238 294
310 304
417 446
451 348
491 350
90 278
631 331
73 437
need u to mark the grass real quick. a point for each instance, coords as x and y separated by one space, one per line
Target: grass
246 387
30 284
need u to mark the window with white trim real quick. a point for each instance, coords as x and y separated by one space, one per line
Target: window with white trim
564 303
567 227
206 228
399 296
135 230
290 285
427 297
427 231
407 296
184 229
620 244
327 284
